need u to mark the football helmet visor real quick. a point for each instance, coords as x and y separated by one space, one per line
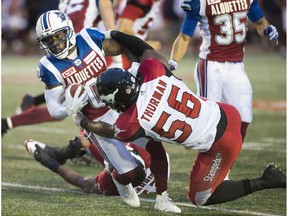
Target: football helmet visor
55 33
117 88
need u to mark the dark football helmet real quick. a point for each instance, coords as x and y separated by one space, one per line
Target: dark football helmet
117 88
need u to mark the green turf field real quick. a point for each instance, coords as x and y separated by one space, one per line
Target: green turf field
30 189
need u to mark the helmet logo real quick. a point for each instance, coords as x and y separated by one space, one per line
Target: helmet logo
128 90
109 97
61 16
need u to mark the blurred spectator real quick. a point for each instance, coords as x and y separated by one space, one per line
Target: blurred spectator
18 23
14 23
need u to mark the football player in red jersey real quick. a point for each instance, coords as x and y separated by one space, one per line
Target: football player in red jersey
219 72
136 17
155 104
54 158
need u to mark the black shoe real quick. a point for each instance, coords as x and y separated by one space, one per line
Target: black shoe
274 177
4 126
27 102
55 153
45 159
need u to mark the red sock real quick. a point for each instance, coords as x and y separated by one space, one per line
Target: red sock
31 116
125 178
244 127
159 165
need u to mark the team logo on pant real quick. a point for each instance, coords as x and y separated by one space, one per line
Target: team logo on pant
214 168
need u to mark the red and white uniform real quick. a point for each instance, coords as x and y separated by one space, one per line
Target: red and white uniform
83 13
219 72
107 186
143 13
167 110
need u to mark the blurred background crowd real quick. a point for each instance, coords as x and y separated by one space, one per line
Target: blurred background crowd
19 19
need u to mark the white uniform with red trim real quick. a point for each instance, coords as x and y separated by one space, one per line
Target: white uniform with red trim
219 73
168 113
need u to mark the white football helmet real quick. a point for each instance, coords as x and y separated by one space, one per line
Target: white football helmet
55 33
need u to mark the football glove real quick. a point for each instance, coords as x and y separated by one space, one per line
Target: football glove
172 64
107 34
78 117
43 157
76 103
271 33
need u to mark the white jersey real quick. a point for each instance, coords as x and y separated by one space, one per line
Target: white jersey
168 113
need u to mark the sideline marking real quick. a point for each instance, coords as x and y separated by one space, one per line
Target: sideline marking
245 212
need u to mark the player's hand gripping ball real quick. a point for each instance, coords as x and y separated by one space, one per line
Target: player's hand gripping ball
76 98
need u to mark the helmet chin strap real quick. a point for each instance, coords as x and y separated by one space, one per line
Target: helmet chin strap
72 55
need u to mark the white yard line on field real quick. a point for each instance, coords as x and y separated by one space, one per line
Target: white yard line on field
244 212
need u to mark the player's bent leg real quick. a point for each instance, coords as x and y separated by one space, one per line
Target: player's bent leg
34 115
123 164
164 203
127 194
159 167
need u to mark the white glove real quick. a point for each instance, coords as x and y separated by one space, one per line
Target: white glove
77 118
271 33
116 62
107 34
76 103
172 64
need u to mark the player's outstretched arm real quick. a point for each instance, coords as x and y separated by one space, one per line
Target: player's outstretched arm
137 47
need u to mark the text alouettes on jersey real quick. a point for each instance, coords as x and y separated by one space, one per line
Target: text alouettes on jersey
223 25
89 63
169 113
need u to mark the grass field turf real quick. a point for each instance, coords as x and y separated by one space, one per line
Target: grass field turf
30 189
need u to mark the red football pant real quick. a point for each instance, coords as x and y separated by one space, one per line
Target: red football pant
210 168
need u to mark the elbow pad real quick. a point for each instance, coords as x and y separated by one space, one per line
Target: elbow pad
53 100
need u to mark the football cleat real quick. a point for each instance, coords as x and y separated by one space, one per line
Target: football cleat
165 204
30 146
127 194
4 126
53 152
274 177
27 102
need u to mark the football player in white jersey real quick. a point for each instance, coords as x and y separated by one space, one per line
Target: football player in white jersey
79 58
219 72
155 104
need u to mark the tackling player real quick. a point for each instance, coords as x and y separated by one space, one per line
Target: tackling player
153 103
219 72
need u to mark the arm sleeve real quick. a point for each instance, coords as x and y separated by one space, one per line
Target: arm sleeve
132 43
53 100
255 13
192 17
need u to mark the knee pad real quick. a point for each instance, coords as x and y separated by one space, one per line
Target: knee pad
200 198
